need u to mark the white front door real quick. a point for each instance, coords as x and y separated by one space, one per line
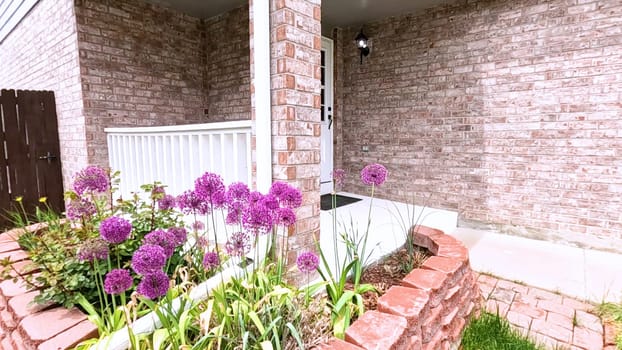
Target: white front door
326 138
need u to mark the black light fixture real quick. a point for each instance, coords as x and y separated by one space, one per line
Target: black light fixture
361 44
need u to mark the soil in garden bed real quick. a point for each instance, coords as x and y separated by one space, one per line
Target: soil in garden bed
389 271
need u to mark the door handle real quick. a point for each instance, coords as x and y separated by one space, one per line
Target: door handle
330 121
47 157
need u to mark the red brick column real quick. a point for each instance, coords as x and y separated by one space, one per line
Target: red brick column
295 66
295 40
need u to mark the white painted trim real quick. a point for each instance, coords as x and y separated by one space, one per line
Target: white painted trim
239 124
326 186
263 107
11 13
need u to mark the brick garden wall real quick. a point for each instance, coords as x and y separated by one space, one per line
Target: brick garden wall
41 54
506 111
430 308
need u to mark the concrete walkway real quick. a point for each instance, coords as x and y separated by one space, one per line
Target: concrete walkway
585 274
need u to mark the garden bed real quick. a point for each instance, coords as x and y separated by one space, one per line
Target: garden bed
176 275
428 310
21 321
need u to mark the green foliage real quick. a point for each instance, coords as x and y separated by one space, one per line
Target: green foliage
407 221
62 278
612 312
253 312
491 332
180 325
346 304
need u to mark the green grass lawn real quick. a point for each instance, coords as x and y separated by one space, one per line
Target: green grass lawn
612 312
491 332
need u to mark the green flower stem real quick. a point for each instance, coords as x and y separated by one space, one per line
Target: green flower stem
114 303
214 227
335 248
359 266
128 322
103 301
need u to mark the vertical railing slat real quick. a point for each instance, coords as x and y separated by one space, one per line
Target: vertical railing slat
236 158
177 156
249 163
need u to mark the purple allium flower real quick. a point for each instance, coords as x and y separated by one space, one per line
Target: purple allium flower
210 188
211 260
180 234
91 179
156 190
115 229
257 218
237 192
234 216
285 217
374 174
149 258
81 208
118 281
153 285
307 262
254 197
202 242
93 249
197 226
339 176
189 203
167 202
270 201
164 239
287 195
239 244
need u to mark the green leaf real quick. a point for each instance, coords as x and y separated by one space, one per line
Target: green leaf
345 298
266 345
253 316
160 339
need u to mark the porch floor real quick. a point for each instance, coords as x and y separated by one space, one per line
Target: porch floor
585 274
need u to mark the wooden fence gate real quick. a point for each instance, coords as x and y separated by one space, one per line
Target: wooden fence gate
29 152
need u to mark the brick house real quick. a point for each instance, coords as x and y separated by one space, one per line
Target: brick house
507 112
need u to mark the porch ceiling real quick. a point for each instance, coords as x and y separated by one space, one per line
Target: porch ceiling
335 13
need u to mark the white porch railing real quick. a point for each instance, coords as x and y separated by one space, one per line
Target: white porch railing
177 155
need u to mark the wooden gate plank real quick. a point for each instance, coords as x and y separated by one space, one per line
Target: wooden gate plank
5 198
26 164
14 146
51 178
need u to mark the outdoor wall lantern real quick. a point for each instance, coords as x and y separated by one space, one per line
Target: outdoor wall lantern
361 44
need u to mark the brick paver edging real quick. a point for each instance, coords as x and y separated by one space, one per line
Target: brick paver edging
428 310
25 325
551 319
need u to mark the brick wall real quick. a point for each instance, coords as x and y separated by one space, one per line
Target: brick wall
506 111
141 65
145 65
41 54
228 65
